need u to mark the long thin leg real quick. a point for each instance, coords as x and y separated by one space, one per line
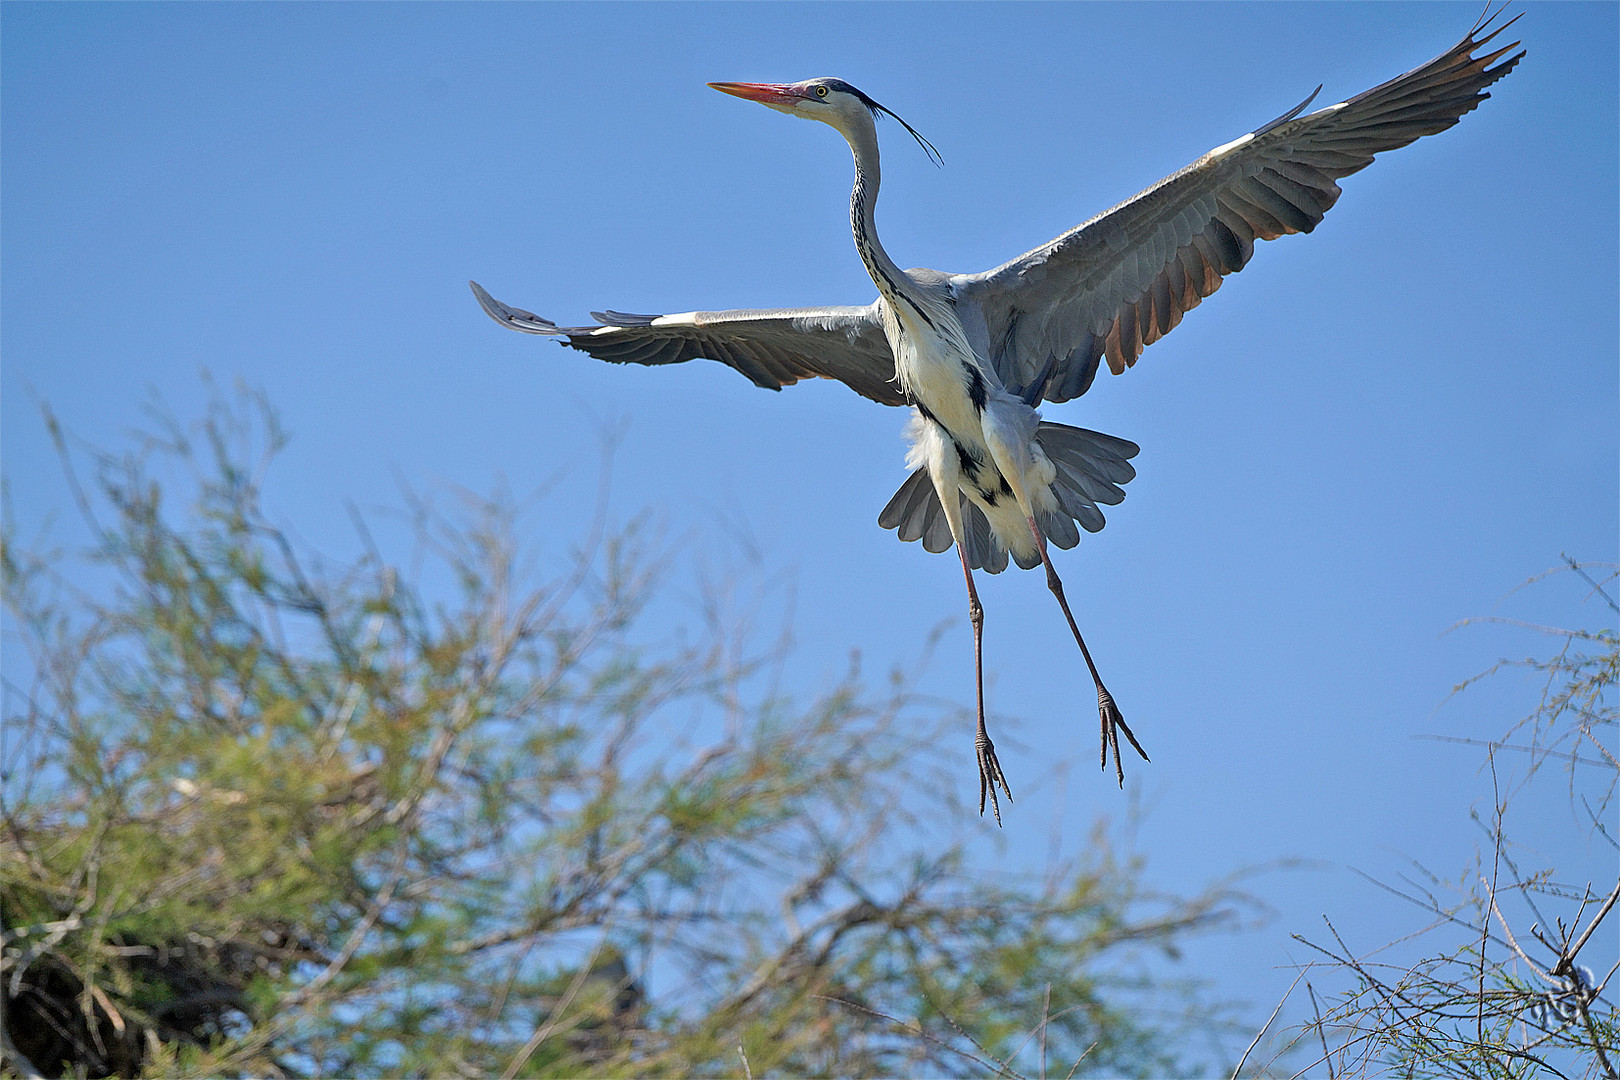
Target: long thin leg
990 773
1113 721
944 471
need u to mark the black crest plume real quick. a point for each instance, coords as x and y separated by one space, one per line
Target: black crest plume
928 147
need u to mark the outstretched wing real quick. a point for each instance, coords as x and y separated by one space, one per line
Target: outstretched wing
773 348
1122 280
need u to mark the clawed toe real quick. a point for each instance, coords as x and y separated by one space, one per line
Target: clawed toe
1113 722
990 775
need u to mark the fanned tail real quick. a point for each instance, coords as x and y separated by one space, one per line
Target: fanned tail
1091 469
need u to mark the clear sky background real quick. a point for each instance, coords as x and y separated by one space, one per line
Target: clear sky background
1371 433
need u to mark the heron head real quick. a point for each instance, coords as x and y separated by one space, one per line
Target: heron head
832 101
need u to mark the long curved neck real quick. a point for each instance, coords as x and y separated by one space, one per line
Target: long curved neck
891 281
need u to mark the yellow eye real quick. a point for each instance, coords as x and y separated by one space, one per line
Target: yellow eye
821 91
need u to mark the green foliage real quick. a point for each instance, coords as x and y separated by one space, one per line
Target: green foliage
265 818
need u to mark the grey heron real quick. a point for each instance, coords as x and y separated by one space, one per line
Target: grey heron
975 355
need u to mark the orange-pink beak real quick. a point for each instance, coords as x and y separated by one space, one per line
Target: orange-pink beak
764 93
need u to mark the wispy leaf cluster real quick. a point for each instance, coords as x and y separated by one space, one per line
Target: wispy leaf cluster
270 815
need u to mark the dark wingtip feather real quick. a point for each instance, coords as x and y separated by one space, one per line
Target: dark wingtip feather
1487 17
1291 113
513 318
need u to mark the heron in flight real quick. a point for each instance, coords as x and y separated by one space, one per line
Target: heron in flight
974 355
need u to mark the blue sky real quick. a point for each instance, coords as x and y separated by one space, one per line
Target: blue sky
1372 432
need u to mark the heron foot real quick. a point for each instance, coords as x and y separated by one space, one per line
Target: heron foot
1113 722
990 774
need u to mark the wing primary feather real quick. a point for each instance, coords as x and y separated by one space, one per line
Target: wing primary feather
1163 309
1292 218
1130 341
1231 253
1244 208
514 318
630 351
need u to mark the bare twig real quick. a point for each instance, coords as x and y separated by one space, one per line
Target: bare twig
1000 1068
543 1030
1321 1032
1567 960
1266 1026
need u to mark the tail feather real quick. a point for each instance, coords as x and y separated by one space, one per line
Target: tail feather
937 535
1081 509
906 511
1091 467
1059 528
1102 456
1026 560
1087 487
984 553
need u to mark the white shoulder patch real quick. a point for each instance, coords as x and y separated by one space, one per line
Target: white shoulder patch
685 318
1227 148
